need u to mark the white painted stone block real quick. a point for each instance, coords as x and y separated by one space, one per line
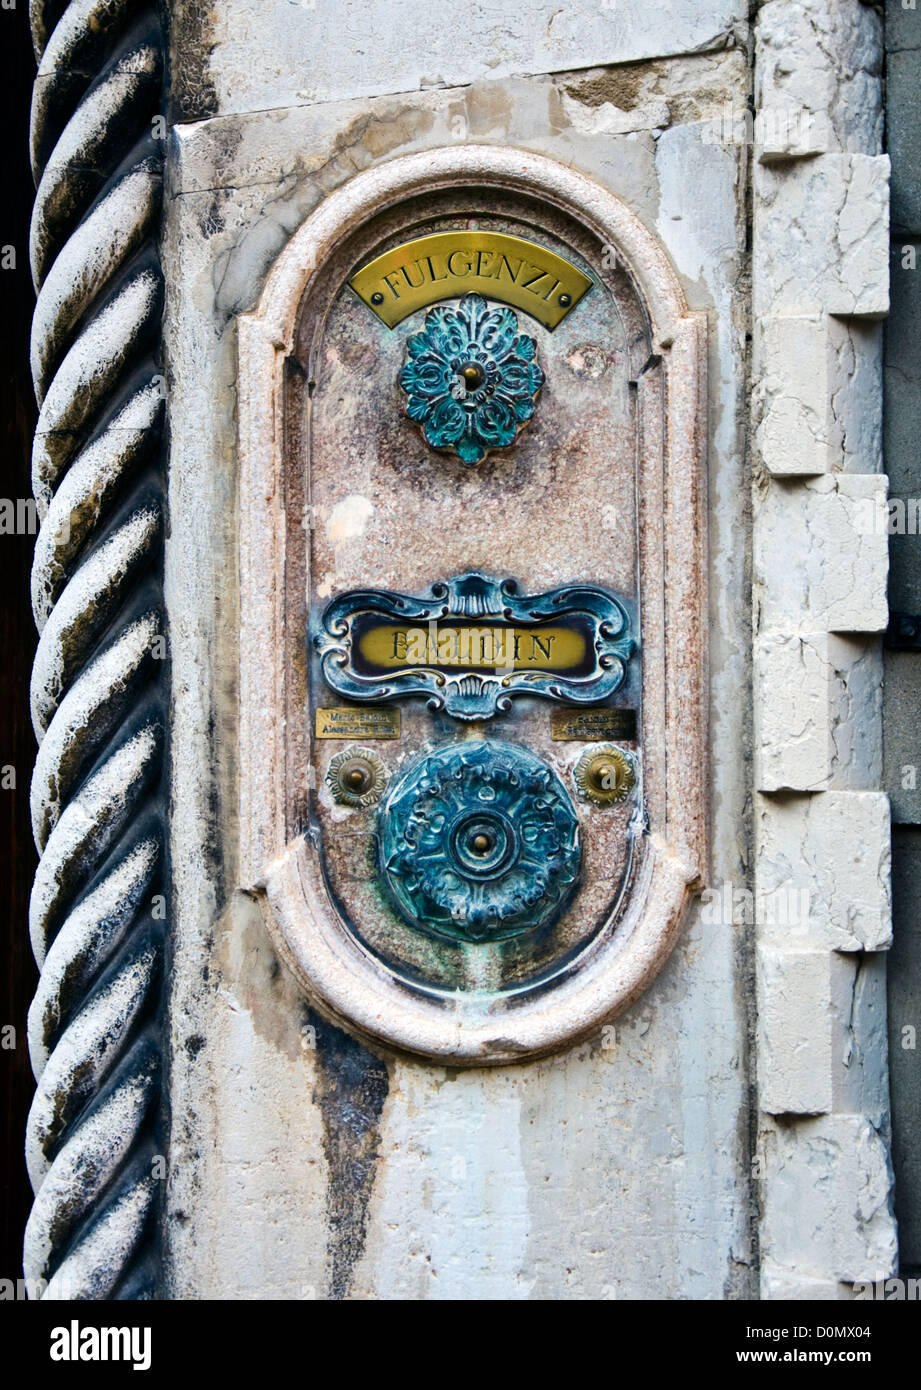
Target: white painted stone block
818 397
789 1285
791 712
827 1199
801 996
817 712
818 77
272 53
822 226
822 1033
861 1073
793 435
855 395
822 554
823 871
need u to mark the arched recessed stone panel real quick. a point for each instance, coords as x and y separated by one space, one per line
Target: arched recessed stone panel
351 513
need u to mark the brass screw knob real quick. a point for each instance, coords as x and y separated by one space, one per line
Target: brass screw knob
482 843
473 375
358 779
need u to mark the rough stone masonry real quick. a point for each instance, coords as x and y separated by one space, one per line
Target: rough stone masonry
204 1127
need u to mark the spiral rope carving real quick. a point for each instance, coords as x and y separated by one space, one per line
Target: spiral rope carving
98 684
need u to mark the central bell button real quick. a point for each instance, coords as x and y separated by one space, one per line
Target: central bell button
479 842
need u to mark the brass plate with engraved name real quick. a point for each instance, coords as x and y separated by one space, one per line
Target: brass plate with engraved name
454 645
344 722
592 725
449 264
473 643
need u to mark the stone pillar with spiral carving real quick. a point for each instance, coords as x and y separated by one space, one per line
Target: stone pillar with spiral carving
99 684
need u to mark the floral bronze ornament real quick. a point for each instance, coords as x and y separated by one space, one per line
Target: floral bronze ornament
471 378
479 842
356 777
604 775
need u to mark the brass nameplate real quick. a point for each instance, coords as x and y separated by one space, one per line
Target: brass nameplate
592 725
449 264
383 646
474 643
357 723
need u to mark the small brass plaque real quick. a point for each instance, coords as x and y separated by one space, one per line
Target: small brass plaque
449 264
592 725
345 722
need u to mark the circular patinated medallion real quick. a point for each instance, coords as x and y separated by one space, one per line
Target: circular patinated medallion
479 841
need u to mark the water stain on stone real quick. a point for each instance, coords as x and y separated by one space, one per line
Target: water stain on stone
192 92
351 1088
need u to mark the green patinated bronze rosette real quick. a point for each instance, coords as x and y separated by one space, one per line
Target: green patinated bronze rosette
471 379
479 842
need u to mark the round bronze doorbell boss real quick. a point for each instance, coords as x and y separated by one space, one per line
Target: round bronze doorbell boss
356 777
605 776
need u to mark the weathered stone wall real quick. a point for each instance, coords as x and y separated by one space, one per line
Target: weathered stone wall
728 1136
615 1169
